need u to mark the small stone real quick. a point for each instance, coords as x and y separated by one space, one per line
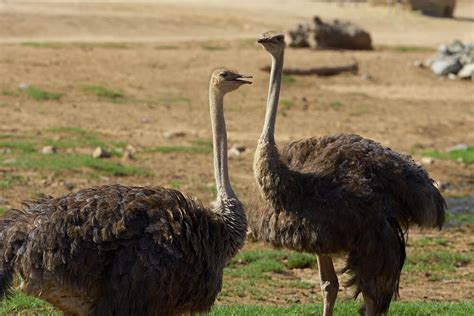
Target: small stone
452 76
458 147
131 149
467 72
48 150
366 77
69 185
236 150
99 152
174 134
427 160
418 63
23 86
127 155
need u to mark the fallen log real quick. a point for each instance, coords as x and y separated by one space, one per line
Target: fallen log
318 71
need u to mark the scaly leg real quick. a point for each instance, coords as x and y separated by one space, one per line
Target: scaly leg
329 283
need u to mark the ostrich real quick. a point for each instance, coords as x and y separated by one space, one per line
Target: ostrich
339 194
118 250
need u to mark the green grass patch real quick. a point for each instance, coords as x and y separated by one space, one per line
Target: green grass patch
109 45
21 304
2 210
166 47
439 261
213 47
9 93
18 145
335 105
174 100
43 44
466 155
300 260
10 180
40 94
348 308
432 241
461 218
175 183
105 93
198 146
404 48
285 106
64 162
288 79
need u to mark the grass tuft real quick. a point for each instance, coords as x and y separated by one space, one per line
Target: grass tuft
213 47
288 79
463 155
39 94
10 180
104 93
300 260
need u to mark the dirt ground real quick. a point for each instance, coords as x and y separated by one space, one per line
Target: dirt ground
161 60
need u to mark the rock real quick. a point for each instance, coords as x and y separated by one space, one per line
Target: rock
446 65
48 150
340 34
427 160
69 185
99 152
365 77
458 147
23 86
174 134
452 77
236 150
419 64
127 155
467 72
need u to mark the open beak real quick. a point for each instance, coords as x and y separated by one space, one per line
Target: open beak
262 40
241 78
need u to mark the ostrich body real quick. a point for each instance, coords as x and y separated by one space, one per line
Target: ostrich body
118 250
339 194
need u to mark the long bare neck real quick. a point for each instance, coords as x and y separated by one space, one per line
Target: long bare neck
271 174
268 133
228 208
219 137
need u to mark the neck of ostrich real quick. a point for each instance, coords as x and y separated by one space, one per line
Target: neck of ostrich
227 207
272 176
219 137
268 133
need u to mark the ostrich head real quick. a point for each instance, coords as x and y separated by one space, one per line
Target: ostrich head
224 80
273 42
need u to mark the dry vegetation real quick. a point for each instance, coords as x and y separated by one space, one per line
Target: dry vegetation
90 92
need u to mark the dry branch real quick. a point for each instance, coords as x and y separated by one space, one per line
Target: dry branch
318 71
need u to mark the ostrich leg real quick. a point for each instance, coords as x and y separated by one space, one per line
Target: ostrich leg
329 283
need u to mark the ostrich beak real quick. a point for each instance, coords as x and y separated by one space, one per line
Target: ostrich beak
240 78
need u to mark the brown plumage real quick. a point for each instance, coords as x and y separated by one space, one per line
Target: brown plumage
340 194
117 250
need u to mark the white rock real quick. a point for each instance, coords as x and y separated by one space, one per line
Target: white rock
236 150
452 77
458 147
467 72
427 160
99 152
48 150
23 86
174 134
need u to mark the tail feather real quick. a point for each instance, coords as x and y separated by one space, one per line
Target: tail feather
419 202
376 262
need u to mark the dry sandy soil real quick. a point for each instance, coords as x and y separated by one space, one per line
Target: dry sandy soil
161 62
